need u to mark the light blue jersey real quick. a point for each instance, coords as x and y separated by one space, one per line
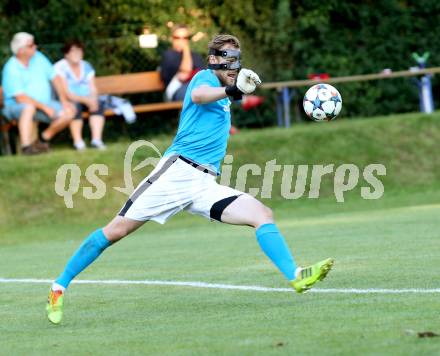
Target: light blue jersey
33 80
203 130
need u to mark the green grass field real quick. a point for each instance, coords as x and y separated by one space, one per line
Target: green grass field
391 243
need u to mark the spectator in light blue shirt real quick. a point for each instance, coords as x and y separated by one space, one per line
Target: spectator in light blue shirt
78 78
27 92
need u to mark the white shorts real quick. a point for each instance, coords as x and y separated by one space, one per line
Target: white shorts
176 184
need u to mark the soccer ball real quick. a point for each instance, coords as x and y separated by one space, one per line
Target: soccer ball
322 102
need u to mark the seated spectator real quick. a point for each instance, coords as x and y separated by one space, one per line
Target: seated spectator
179 64
78 78
27 92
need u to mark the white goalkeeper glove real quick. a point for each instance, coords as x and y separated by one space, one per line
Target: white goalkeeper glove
247 82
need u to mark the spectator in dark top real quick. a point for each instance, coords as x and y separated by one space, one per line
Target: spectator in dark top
179 64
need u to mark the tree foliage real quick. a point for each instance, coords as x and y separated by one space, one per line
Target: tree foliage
282 40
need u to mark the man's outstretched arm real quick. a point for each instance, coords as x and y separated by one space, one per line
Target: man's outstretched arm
246 83
205 94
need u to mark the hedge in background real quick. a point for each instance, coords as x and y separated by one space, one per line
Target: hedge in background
282 40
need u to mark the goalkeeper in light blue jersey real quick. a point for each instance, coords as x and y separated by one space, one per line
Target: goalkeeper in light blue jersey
185 179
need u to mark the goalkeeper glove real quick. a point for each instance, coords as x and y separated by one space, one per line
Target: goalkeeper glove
246 83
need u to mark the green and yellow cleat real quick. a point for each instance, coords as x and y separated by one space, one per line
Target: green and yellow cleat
54 306
306 277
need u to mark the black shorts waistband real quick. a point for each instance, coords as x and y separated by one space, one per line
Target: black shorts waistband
198 166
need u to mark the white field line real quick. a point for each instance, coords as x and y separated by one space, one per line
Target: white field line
226 286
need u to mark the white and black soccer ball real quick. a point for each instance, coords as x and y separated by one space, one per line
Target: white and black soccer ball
322 102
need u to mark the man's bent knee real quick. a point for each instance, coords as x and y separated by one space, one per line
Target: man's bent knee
115 232
28 109
265 216
120 227
267 213
28 106
67 116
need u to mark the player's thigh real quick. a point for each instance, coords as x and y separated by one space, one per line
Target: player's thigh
228 205
246 210
165 192
120 227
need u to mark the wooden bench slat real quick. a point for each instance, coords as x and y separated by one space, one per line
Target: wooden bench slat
6 126
173 105
143 82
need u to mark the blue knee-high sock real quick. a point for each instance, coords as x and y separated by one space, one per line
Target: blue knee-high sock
274 246
89 251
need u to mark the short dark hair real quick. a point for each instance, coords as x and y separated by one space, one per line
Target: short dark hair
71 43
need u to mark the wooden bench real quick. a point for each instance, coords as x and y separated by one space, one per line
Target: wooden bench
122 84
144 82
6 141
